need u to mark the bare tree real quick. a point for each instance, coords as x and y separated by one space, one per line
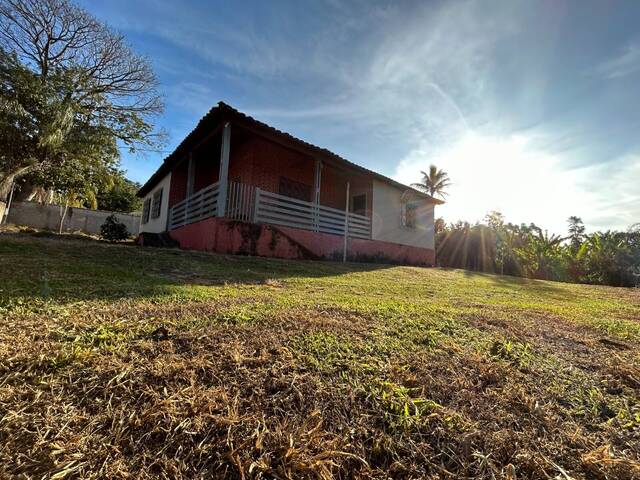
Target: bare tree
65 77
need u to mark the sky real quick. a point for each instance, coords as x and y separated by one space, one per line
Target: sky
533 108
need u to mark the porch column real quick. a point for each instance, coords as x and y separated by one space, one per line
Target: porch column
191 171
317 181
316 198
346 226
223 177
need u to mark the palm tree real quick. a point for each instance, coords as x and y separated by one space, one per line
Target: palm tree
434 183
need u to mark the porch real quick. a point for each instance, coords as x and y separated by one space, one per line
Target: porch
255 179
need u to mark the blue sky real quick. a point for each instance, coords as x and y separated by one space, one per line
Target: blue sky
532 107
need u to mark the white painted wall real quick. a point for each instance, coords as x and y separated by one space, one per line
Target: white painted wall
157 225
387 218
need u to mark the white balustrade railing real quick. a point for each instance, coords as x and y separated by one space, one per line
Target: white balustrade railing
291 212
202 204
240 201
250 204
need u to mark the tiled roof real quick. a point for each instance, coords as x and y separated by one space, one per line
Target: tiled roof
224 112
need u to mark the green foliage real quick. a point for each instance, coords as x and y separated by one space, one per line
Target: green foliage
113 230
68 96
606 258
435 182
517 353
119 195
402 407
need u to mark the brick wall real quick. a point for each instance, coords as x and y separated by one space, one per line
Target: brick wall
178 188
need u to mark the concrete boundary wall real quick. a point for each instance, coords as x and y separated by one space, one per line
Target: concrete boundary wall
47 217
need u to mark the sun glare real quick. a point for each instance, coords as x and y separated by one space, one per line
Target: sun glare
505 174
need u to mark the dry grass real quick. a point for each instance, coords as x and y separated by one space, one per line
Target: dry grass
124 362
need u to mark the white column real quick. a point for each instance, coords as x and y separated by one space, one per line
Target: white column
191 172
316 198
346 226
223 177
317 181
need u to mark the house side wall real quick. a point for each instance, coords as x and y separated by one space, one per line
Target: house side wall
157 225
387 218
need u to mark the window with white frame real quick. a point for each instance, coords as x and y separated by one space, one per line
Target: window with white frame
157 203
146 207
409 215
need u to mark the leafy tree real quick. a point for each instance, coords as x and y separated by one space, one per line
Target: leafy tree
611 258
70 90
467 246
541 254
74 183
119 195
435 182
576 233
495 222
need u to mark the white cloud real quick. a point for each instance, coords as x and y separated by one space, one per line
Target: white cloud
623 64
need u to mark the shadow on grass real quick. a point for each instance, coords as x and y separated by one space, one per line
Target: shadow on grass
67 269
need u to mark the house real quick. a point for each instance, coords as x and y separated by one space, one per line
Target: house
236 185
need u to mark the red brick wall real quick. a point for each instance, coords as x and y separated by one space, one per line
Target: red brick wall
178 188
261 162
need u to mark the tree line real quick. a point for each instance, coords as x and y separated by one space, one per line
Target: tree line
495 246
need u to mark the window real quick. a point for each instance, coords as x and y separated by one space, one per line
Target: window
145 210
293 189
409 215
157 204
359 204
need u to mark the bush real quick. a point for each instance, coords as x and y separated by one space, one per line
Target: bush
114 230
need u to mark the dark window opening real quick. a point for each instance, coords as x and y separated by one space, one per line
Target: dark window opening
157 203
293 189
145 210
360 204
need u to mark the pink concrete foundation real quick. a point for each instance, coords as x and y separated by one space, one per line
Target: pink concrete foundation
233 237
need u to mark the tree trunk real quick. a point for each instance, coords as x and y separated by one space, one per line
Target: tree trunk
6 180
64 214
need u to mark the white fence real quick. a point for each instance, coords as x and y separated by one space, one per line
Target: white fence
251 204
202 204
291 212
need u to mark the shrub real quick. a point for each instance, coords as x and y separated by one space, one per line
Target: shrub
114 230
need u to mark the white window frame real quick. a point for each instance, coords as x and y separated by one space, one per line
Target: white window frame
403 214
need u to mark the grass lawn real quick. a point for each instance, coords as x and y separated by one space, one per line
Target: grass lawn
128 362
